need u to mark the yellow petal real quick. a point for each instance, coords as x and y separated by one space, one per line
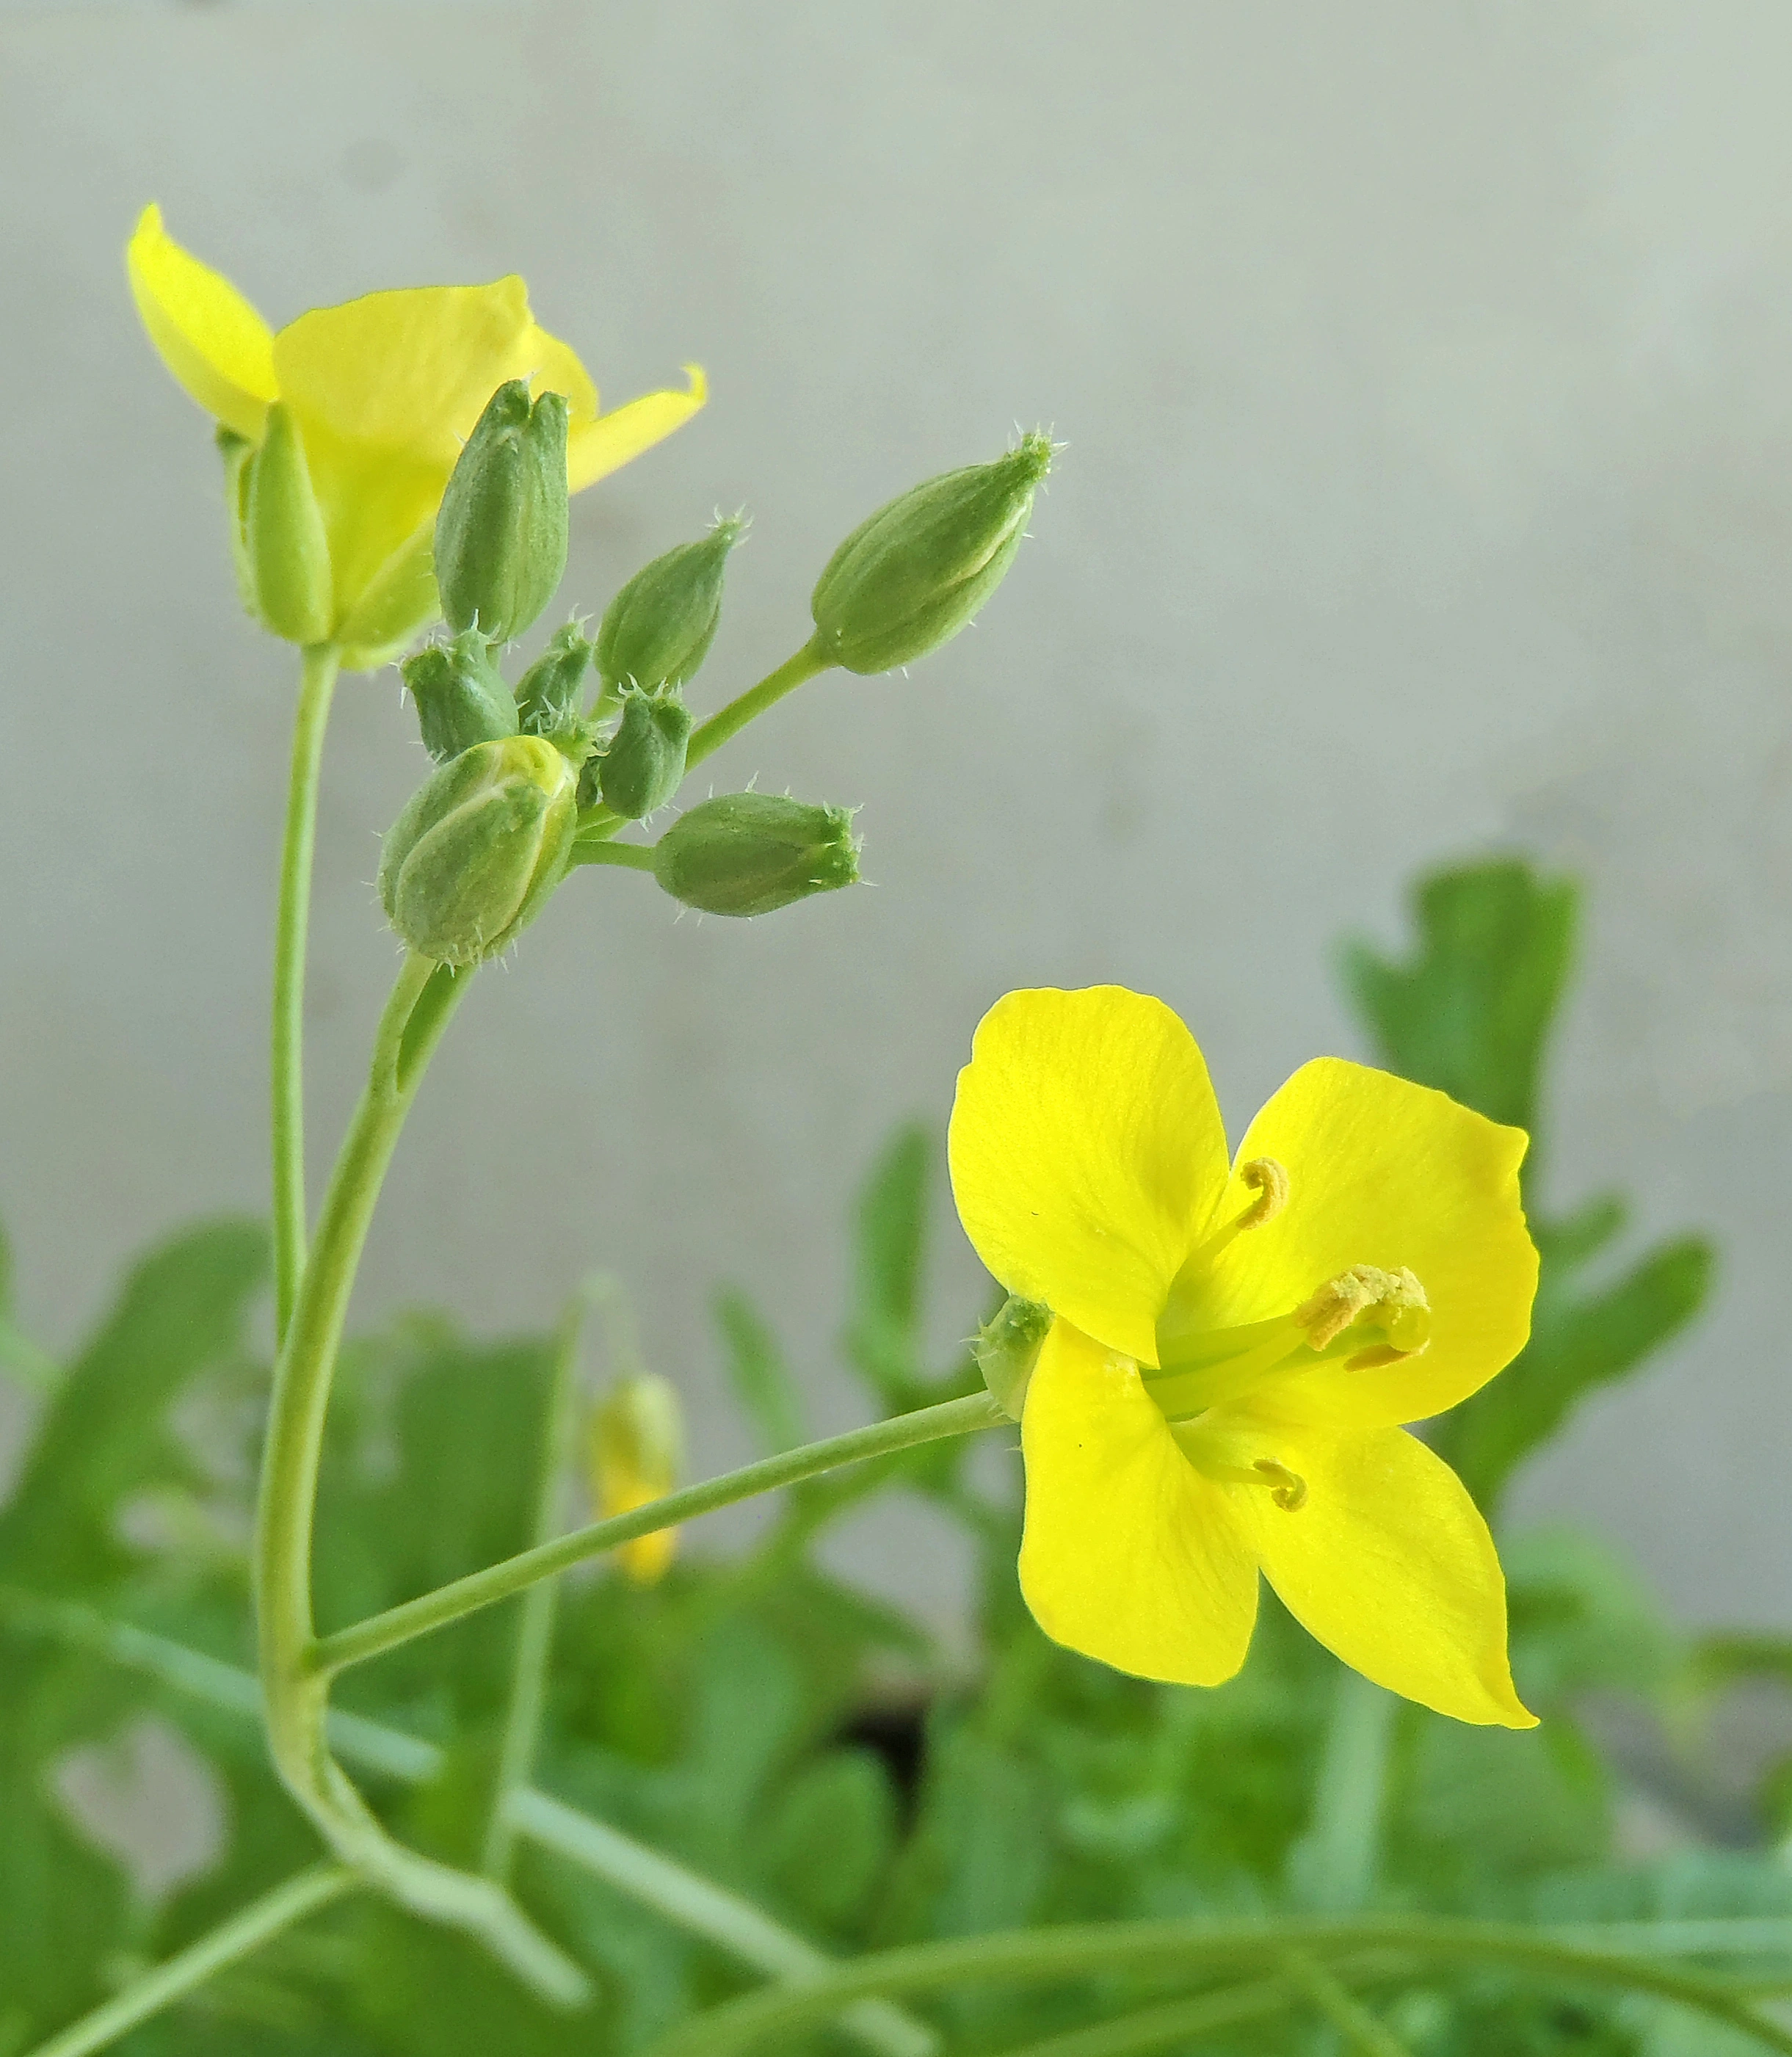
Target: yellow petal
594 449
209 336
1387 1562
1385 1172
551 366
1129 1555
1087 1152
405 372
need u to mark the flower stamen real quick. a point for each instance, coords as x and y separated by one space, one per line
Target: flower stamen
1341 1302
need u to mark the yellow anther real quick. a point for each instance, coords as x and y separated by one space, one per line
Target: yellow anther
1269 1180
1343 1300
1288 1489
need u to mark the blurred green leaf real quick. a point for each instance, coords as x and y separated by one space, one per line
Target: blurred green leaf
828 1836
1580 1619
890 1217
1469 1011
1577 1344
183 1311
761 1378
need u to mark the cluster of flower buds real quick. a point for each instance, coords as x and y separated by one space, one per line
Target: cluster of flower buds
476 853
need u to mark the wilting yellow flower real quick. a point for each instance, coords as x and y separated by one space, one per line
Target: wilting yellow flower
1234 1346
383 390
636 1452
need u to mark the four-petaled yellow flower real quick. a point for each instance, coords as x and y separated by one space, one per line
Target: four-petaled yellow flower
1234 1346
383 392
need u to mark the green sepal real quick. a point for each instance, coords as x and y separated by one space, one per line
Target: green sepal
751 853
657 630
910 577
1007 1347
501 534
286 549
460 695
644 765
472 859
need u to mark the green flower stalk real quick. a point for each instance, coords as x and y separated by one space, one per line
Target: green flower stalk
471 861
751 853
910 577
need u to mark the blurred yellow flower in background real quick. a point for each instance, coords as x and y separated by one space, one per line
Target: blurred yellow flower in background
636 1451
1234 1346
382 391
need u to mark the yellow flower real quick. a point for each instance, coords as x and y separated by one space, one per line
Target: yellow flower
383 391
636 1452
1234 1346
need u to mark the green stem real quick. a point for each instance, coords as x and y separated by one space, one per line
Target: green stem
1174 2024
687 1899
296 1699
1332 1868
1342 2009
709 736
1057 1956
35 1369
317 684
528 1675
382 1632
259 1923
636 856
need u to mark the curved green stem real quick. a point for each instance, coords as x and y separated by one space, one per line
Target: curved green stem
382 1632
320 666
1060 1956
296 1698
709 736
259 1923
1341 2007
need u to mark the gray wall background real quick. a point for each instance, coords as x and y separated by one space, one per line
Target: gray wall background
1425 370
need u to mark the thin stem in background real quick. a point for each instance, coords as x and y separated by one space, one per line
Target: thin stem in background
687 1899
1353 2022
319 667
382 1632
1057 1955
1332 1868
160 1986
528 1675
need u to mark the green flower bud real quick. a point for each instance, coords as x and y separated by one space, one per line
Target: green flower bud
658 628
461 695
909 578
641 769
548 693
749 853
501 536
282 554
1007 1348
478 849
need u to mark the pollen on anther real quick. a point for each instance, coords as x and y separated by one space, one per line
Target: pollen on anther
1269 1180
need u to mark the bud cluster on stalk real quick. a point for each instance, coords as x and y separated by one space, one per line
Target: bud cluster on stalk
533 779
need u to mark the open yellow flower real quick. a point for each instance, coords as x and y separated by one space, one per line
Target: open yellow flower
1234 1346
383 390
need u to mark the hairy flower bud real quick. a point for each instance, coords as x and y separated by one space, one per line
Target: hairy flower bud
1006 1349
478 849
750 852
283 554
658 628
641 769
548 693
461 698
909 578
637 1453
501 535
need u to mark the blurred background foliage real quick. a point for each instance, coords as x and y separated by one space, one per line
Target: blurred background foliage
795 1740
